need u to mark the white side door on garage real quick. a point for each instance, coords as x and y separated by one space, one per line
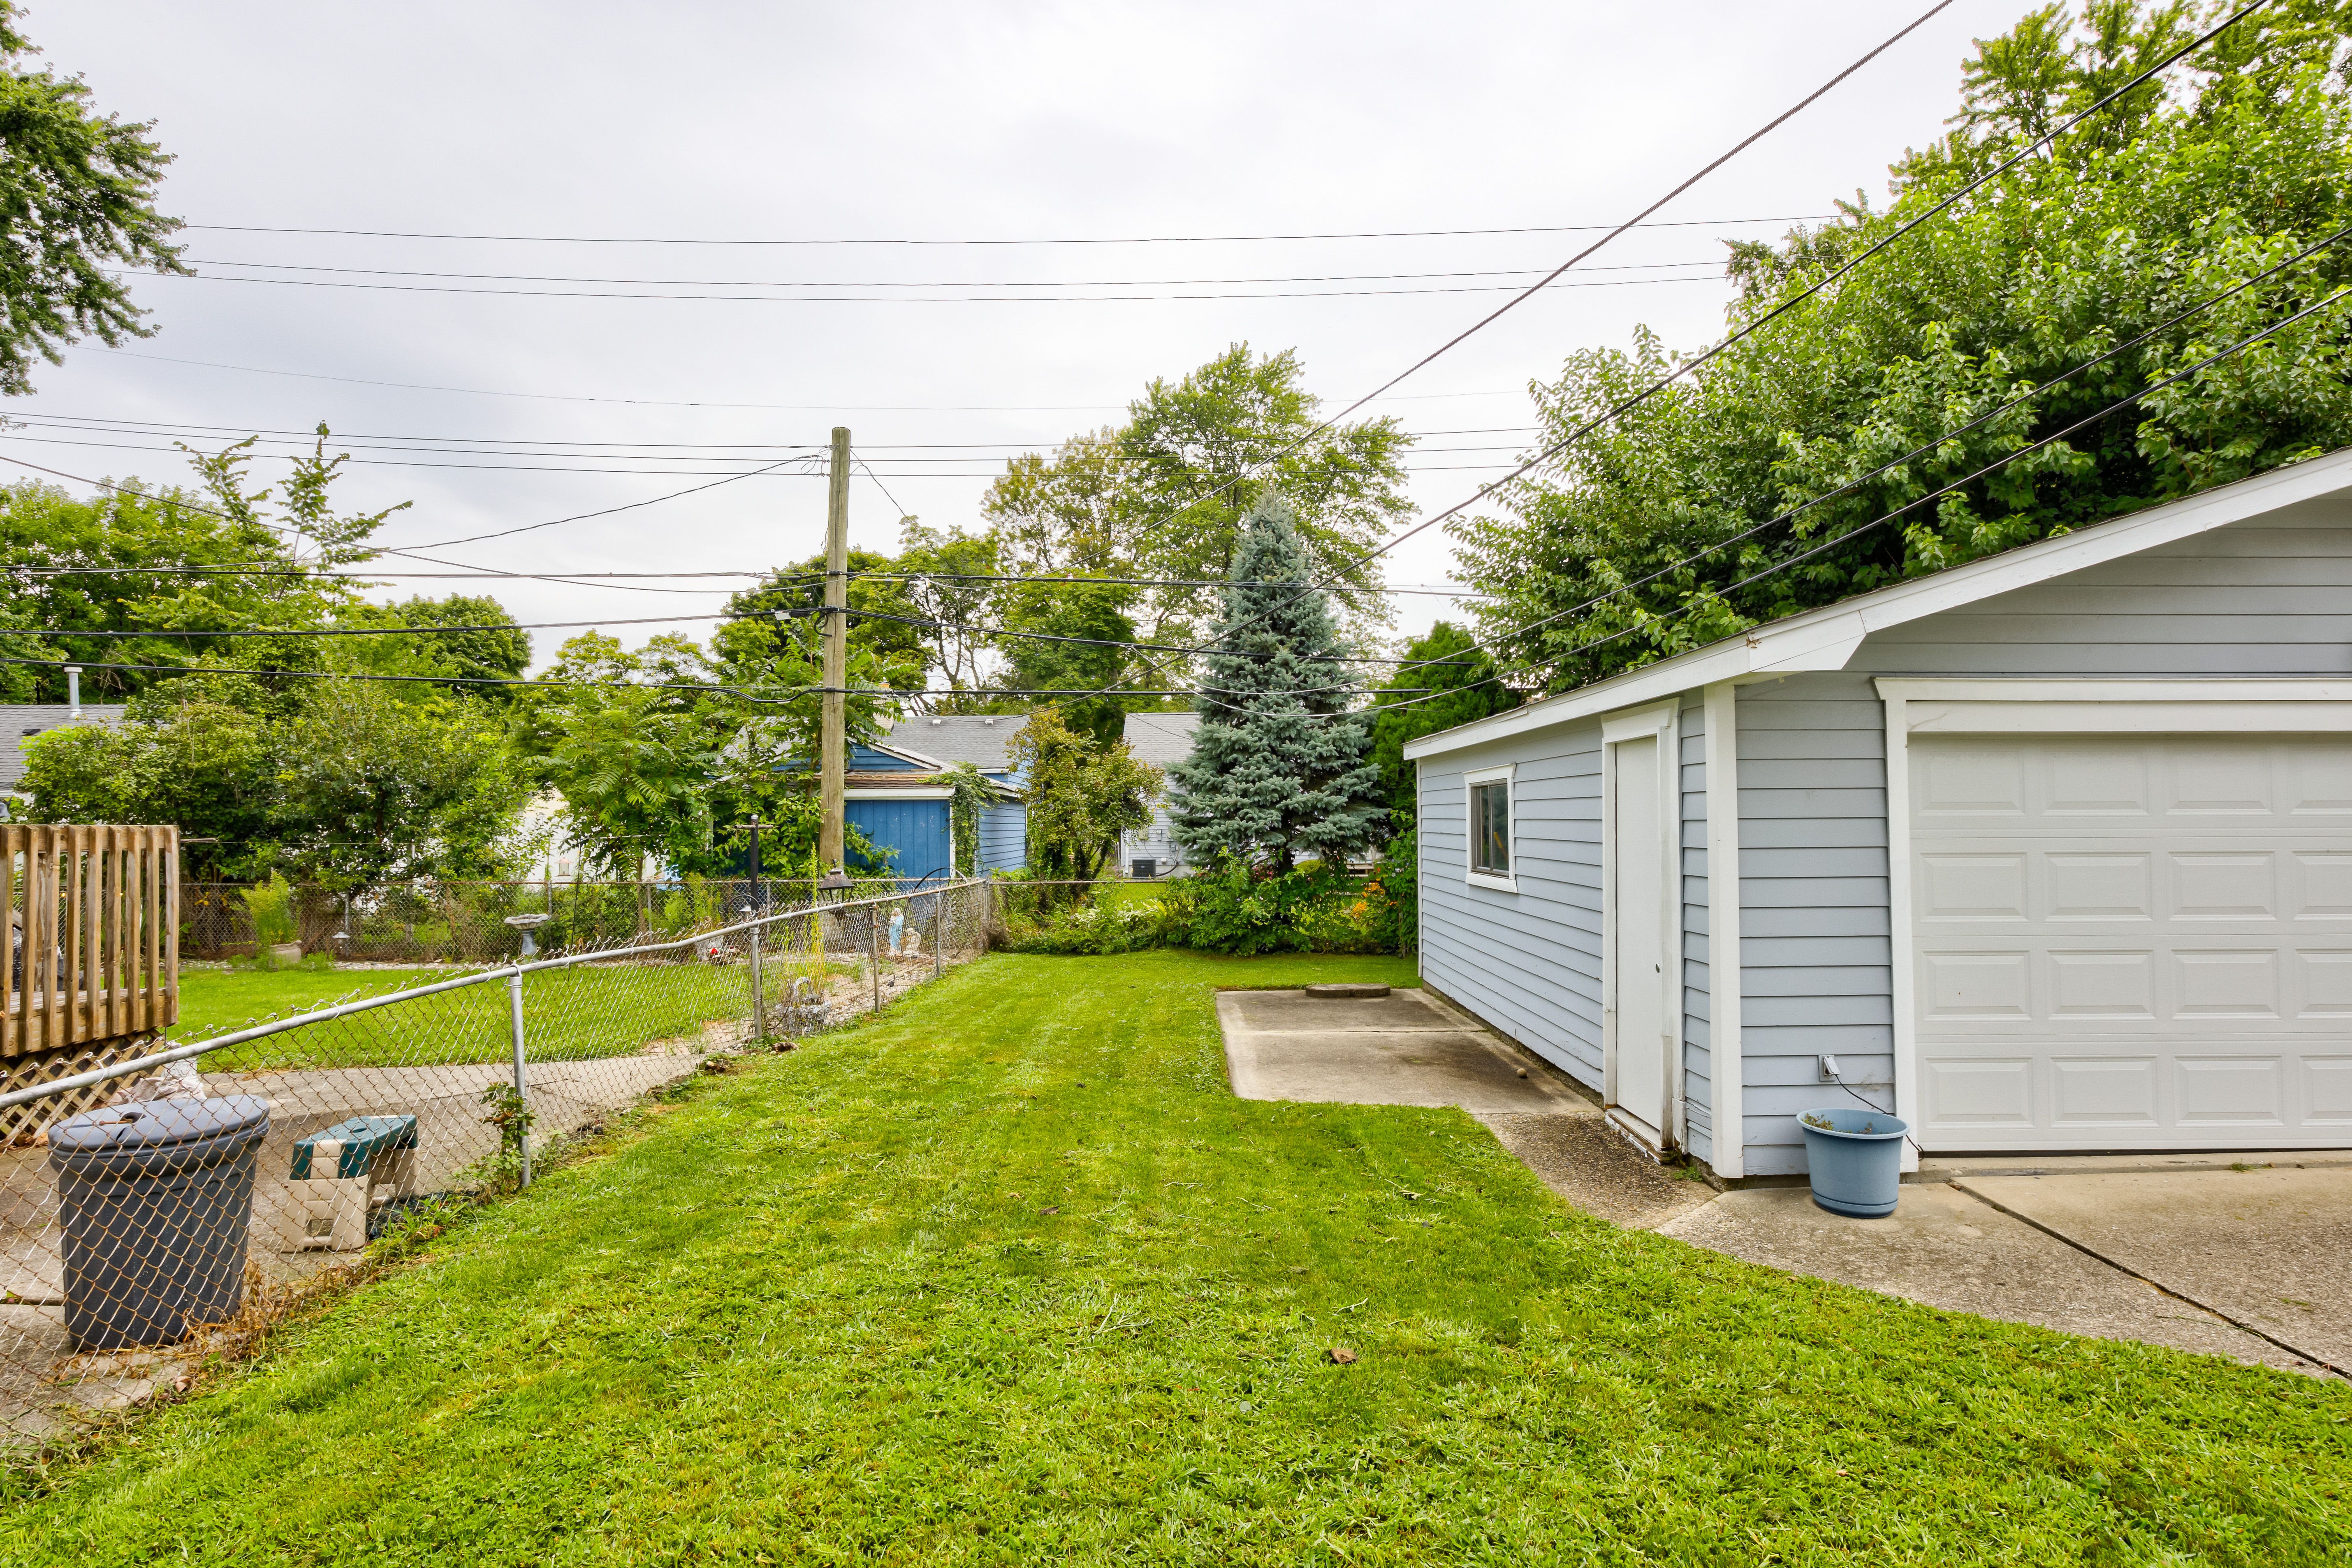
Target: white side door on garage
2128 940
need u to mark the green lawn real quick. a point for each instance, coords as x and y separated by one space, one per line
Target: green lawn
212 1000
577 1014
1007 1276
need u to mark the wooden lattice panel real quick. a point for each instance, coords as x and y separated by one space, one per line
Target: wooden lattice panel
93 916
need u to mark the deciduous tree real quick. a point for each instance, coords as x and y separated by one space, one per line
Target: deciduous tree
1456 681
76 201
1082 794
1654 531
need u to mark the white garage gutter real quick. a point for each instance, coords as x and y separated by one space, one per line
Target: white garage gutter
1826 638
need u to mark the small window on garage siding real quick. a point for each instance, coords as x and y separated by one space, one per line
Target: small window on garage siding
1490 807
1489 793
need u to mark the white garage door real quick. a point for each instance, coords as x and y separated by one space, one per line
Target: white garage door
2132 942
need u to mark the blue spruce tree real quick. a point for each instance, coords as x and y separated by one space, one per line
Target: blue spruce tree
1279 769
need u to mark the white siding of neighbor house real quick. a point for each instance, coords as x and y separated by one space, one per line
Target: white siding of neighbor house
1156 843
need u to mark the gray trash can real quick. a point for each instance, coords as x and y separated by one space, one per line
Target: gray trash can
157 1199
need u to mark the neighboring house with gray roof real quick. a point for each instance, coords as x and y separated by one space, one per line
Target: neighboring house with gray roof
982 739
1162 740
21 722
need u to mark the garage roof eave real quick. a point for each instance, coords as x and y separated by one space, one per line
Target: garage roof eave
1826 638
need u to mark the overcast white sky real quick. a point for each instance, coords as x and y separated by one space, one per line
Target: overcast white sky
967 120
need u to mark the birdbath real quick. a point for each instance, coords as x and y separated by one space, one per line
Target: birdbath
527 924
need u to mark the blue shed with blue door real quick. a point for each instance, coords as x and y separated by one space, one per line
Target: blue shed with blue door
896 797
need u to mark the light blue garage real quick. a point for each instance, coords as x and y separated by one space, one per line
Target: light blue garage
2051 852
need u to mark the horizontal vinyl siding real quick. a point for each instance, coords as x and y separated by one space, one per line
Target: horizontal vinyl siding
1003 838
1527 963
1816 947
1815 972
1698 1089
2272 596
1156 843
912 834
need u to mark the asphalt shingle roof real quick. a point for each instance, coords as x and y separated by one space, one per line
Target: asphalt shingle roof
978 738
1161 738
21 723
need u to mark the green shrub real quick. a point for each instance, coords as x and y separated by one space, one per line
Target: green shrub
1227 908
1315 908
271 904
1093 928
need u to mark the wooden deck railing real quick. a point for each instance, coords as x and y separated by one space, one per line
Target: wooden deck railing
94 927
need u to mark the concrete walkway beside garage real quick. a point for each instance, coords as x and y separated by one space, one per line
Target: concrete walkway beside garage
2210 1253
1412 1048
2246 1256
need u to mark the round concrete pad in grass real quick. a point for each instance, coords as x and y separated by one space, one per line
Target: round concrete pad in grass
1338 988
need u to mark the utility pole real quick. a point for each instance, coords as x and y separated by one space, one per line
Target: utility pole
833 758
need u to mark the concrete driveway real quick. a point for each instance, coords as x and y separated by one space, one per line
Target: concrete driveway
2247 1255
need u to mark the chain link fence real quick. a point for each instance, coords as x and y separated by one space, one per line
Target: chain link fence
166 1206
428 923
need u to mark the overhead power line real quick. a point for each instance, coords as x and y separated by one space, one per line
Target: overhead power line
124 633
132 634
122 424
1981 420
926 299
781 468
1943 490
797 692
1688 366
1847 535
711 402
1712 264
1532 289
1129 239
408 552
1117 582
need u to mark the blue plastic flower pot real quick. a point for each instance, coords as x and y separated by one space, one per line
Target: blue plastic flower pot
1856 1162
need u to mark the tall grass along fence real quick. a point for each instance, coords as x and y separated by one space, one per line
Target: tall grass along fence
210 1182
465 922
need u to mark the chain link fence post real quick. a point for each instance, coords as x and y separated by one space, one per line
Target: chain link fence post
523 1092
759 992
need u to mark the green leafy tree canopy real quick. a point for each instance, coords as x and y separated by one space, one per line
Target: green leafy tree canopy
1083 793
1165 494
77 200
1456 683
1636 543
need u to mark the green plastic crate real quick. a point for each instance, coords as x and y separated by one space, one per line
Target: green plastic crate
364 1138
